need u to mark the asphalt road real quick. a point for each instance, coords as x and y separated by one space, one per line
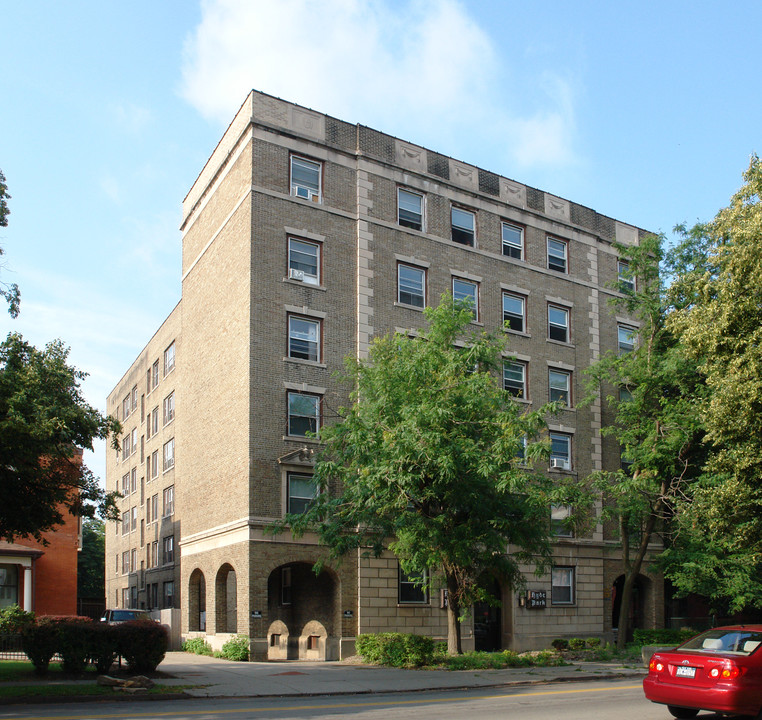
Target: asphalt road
600 700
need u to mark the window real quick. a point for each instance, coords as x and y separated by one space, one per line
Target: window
305 178
125 522
515 378
155 375
126 562
303 413
557 255
410 209
169 549
126 408
134 480
126 451
560 451
558 323
413 588
169 594
152 595
301 492
134 441
625 395
411 285
559 384
285 586
133 519
304 261
153 422
9 585
169 359
169 501
154 464
126 597
514 312
626 280
169 454
559 521
624 462
133 560
513 241
465 291
126 484
155 553
169 408
303 338
463 226
154 508
562 586
625 339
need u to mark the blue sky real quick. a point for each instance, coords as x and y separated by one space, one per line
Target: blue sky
647 112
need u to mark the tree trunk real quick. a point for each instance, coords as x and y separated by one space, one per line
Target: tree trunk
453 616
631 572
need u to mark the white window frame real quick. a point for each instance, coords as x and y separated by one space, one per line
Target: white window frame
168 554
555 324
624 277
299 270
168 501
294 336
558 255
559 386
313 419
458 295
408 584
562 578
154 464
520 393
467 231
511 248
155 375
410 221
299 504
168 408
169 358
509 315
408 286
304 190
168 455
558 514
560 460
625 338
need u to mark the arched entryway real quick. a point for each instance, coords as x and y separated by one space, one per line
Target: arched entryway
298 601
488 631
197 602
226 600
636 616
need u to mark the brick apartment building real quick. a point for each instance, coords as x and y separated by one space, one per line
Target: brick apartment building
303 238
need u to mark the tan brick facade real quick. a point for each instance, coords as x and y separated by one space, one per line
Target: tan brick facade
296 253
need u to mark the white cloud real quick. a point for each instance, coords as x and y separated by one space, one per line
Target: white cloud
424 70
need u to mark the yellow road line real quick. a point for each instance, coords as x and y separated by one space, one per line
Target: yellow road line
332 706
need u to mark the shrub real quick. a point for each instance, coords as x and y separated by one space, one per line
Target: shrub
13 619
592 642
102 645
547 658
396 649
236 648
39 642
72 644
199 646
560 644
576 644
142 643
662 636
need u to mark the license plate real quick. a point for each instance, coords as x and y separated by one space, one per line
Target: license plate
688 672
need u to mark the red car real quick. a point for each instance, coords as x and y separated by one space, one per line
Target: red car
719 670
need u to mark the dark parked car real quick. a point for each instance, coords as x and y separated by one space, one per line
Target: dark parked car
113 617
719 670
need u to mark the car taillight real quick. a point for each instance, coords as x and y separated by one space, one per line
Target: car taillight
727 672
655 666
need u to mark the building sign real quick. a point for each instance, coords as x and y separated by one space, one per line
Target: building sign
537 599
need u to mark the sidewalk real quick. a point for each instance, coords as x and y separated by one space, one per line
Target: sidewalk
222 678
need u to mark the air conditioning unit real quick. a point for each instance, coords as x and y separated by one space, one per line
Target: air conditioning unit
294 274
560 463
302 192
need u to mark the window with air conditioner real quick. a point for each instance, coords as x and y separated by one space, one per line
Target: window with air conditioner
560 451
305 178
304 261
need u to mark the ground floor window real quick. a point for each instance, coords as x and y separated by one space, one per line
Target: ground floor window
413 588
9 585
562 586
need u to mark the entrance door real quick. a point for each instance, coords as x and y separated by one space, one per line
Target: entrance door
487 625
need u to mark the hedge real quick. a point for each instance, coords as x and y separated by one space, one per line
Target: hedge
662 636
396 649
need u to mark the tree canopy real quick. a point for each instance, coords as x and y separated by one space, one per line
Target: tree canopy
91 569
43 420
11 291
432 462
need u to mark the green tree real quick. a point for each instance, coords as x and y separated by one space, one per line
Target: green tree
10 292
43 420
429 461
91 569
653 392
720 554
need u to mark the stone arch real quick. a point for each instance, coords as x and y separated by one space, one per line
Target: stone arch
296 597
197 601
277 641
226 600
